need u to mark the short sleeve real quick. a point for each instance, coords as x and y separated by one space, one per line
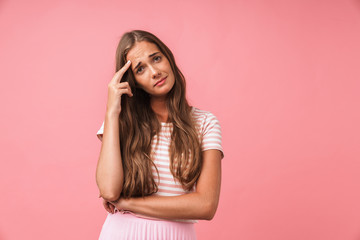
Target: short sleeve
211 134
100 132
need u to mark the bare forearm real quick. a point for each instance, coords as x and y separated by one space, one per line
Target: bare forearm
201 204
109 171
187 206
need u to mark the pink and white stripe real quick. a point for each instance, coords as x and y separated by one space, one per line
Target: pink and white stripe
209 133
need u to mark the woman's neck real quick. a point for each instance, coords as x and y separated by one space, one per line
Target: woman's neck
160 109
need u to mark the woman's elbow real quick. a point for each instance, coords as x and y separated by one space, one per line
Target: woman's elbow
209 211
108 190
110 196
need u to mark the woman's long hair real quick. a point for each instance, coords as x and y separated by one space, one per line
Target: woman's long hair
139 124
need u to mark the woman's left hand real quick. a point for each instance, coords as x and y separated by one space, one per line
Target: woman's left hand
122 203
109 207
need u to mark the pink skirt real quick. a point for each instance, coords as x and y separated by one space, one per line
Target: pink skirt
121 226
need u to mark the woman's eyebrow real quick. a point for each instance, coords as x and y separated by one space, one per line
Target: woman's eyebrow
151 55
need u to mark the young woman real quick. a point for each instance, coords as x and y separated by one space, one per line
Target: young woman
159 168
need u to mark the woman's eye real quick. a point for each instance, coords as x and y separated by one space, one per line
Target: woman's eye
139 69
157 58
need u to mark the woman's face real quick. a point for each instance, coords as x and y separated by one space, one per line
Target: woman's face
151 69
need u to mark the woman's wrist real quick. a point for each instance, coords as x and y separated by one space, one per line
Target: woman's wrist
124 204
129 204
112 115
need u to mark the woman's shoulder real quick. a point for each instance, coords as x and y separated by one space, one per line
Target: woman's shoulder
199 113
202 117
209 129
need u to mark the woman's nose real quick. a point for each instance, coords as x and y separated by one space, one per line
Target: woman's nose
155 72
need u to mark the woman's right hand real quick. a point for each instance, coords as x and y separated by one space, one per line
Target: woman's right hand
109 207
116 89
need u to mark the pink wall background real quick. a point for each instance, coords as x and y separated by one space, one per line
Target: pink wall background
283 78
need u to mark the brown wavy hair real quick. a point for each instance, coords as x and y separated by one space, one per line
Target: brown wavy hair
139 125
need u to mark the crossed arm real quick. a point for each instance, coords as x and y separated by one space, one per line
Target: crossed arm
201 204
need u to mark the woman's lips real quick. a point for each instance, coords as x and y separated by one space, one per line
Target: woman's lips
160 82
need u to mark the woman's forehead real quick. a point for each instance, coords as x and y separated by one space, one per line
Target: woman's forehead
141 50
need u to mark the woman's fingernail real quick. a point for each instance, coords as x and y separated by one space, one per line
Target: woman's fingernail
128 62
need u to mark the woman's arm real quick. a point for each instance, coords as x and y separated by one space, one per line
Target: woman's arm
201 204
109 171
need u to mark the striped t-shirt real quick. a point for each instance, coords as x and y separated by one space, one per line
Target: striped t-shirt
209 132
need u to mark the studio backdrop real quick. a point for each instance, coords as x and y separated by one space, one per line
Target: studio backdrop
282 77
